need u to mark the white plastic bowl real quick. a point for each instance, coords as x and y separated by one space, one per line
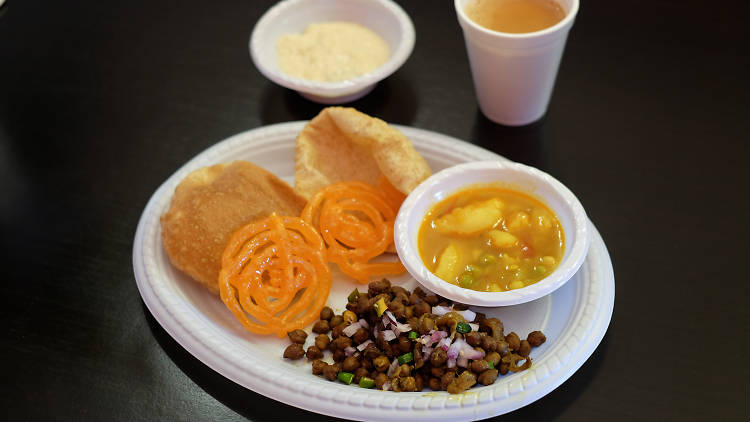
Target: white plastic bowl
384 17
529 180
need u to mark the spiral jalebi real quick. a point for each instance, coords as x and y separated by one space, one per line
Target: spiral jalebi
275 270
355 220
393 196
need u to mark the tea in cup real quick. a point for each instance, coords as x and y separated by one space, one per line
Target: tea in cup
514 48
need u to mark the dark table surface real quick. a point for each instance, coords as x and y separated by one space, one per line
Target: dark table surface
100 102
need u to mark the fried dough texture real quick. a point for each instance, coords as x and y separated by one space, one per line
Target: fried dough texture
343 144
210 204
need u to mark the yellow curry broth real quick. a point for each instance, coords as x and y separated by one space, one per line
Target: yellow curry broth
490 238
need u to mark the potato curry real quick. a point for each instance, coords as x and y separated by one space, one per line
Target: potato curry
491 238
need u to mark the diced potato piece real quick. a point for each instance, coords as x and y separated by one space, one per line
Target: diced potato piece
471 219
500 239
447 266
519 221
542 219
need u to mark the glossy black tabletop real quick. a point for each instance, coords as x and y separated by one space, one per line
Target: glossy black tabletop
101 101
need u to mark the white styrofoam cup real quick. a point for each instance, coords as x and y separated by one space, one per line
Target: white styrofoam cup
514 73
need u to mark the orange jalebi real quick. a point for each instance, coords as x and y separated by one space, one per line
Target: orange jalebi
275 270
356 222
393 196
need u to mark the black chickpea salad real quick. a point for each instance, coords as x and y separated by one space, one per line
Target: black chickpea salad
393 339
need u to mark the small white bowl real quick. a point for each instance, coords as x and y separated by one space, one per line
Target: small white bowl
529 180
384 17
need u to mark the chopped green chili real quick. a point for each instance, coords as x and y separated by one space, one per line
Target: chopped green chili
346 377
463 327
405 358
366 382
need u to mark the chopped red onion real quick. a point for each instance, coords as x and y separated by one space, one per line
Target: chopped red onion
468 315
389 335
455 348
440 310
401 328
349 350
364 345
445 343
463 350
363 323
474 327
462 361
438 335
392 368
397 327
451 363
351 329
471 353
387 385
426 352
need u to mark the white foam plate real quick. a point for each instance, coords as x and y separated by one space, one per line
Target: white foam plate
574 318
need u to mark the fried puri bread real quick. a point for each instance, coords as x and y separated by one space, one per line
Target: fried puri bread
210 204
343 144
